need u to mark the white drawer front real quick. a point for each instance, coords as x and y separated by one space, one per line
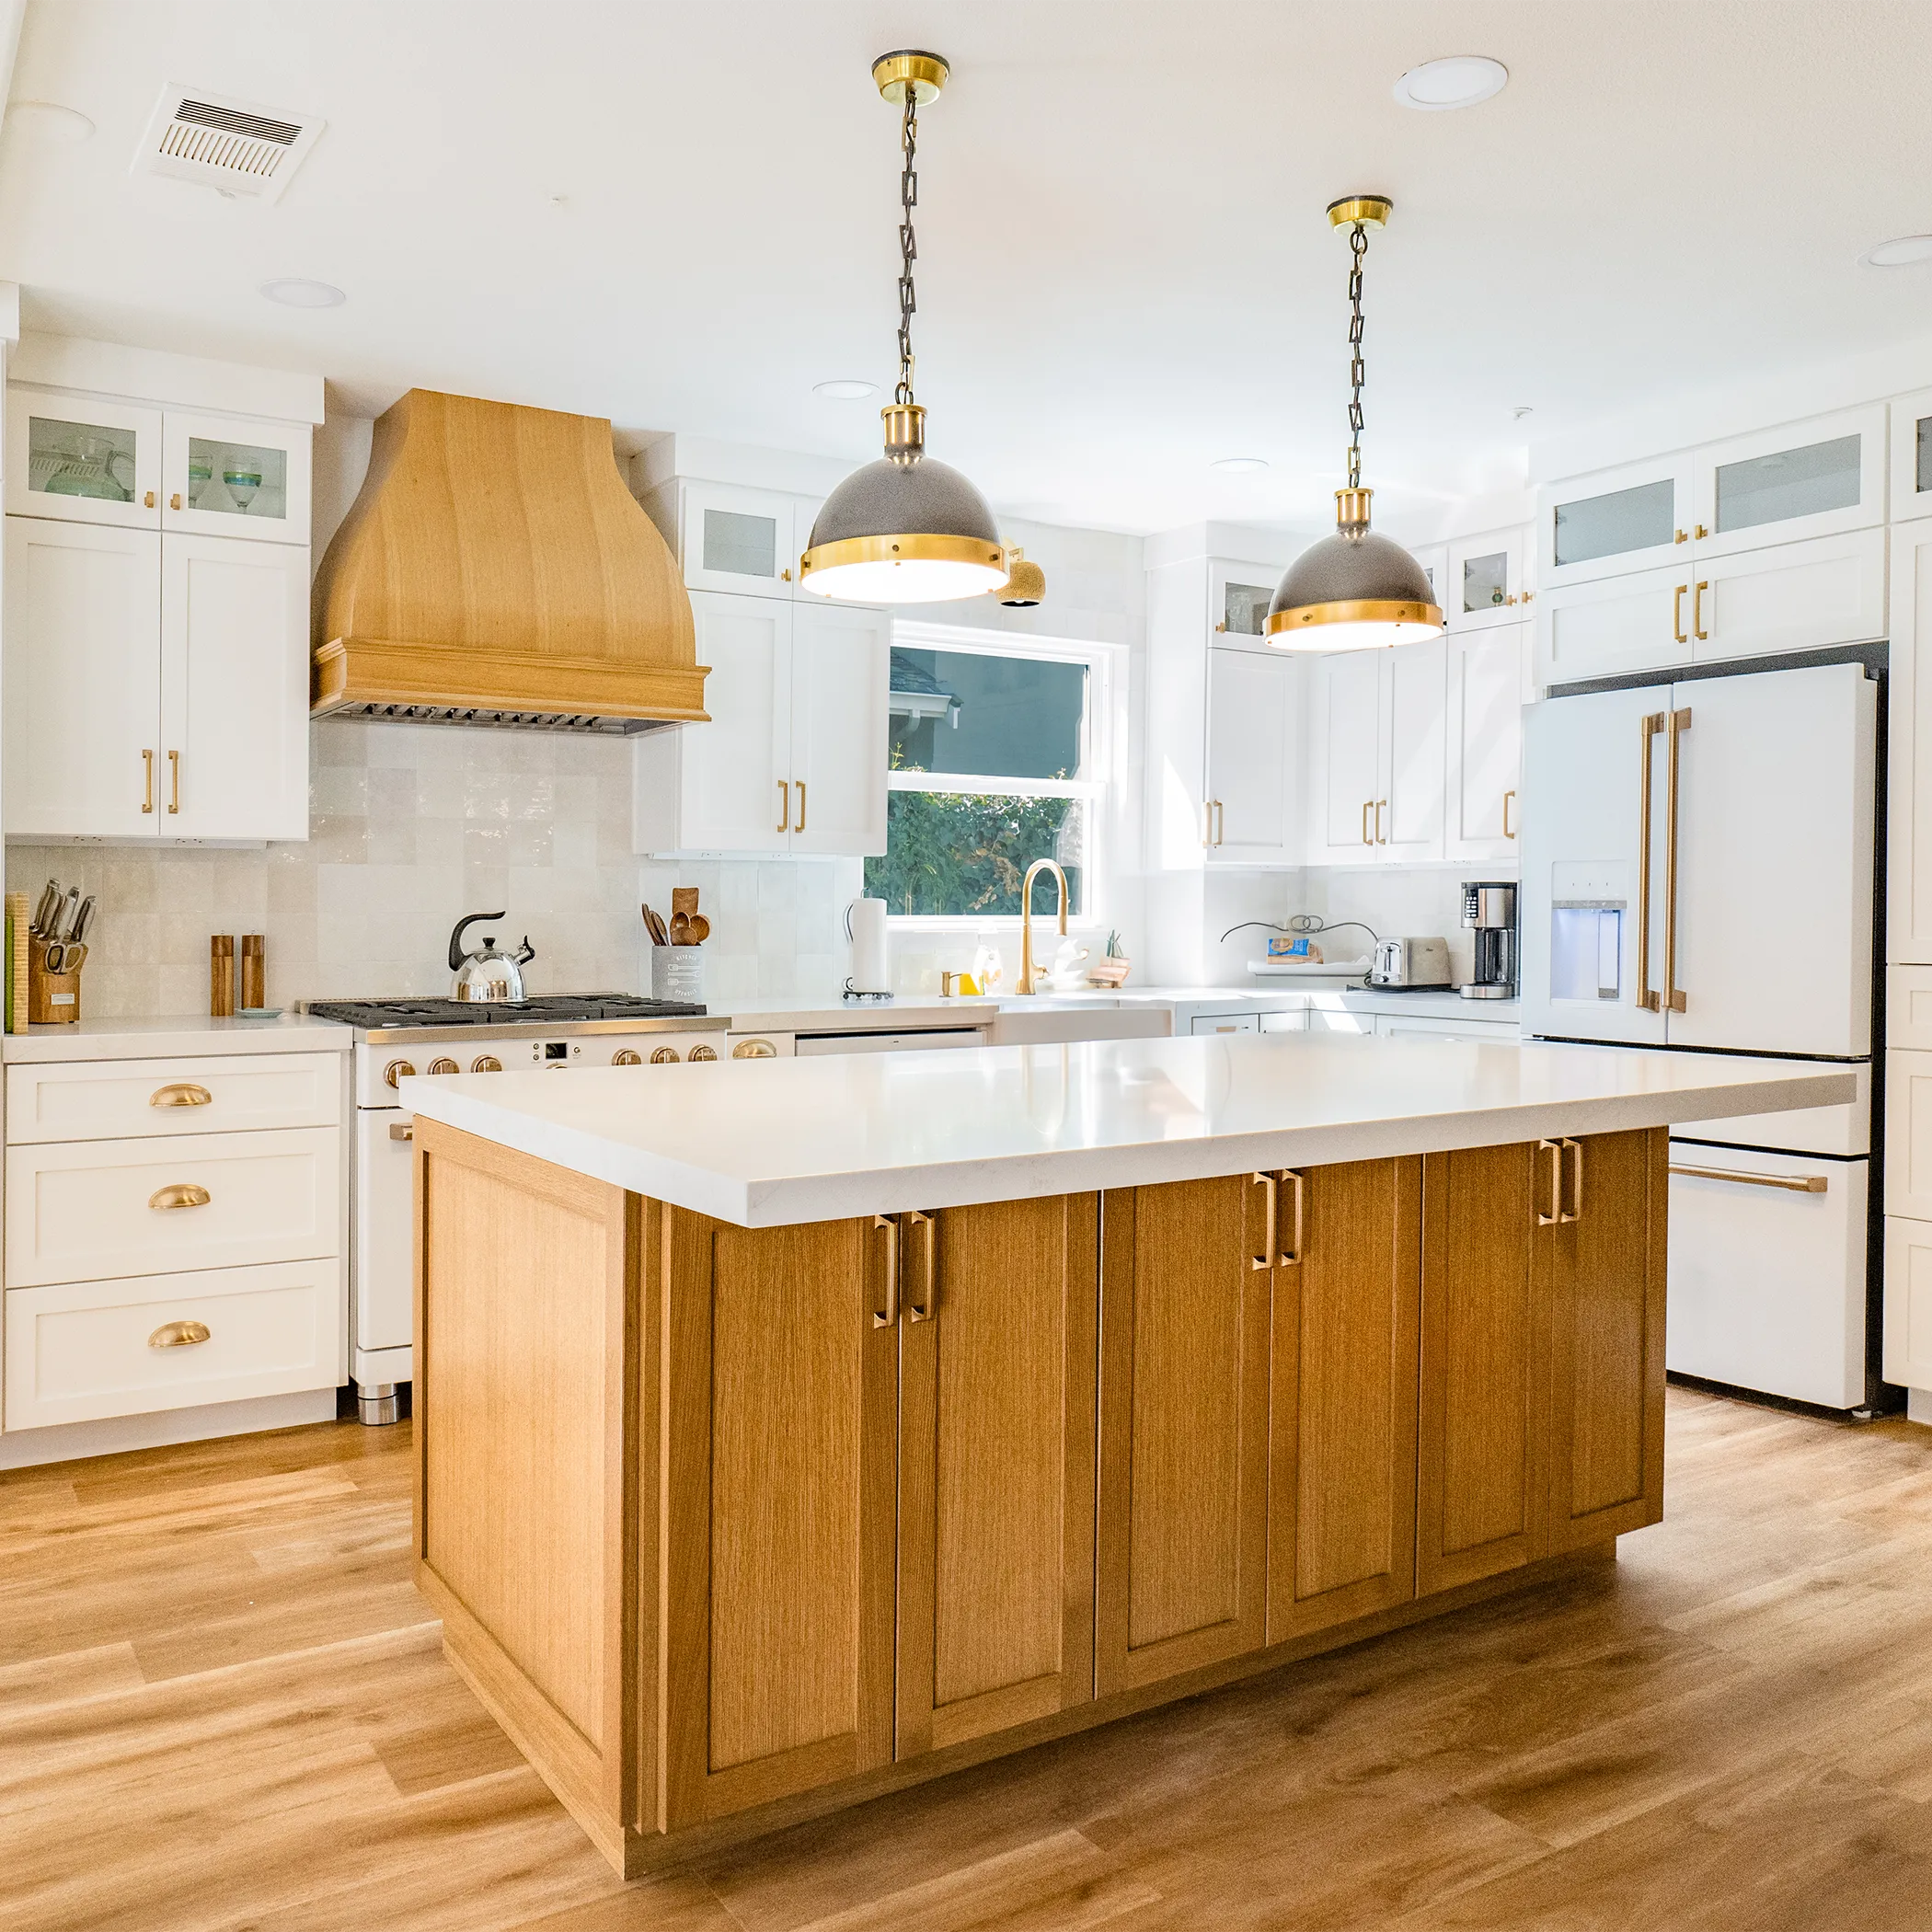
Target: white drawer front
82 1351
119 1100
79 1210
1908 1134
1908 1301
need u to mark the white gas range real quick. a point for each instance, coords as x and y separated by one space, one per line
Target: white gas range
396 1038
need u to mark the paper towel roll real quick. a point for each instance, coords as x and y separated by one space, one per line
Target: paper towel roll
866 922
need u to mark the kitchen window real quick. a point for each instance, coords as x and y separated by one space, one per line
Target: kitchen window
995 758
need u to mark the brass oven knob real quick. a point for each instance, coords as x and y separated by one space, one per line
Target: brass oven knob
702 1052
626 1057
755 1049
662 1056
396 1070
442 1063
486 1063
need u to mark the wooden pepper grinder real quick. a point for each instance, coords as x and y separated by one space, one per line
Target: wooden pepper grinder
221 975
254 971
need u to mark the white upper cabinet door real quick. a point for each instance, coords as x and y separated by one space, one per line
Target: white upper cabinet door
1804 596
725 785
1612 521
1615 625
1253 738
1486 580
1408 816
742 540
841 656
1908 912
1238 597
234 690
234 475
1345 760
83 680
1434 561
1484 743
1910 437
84 459
1812 479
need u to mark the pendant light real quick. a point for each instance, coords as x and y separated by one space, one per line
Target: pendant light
905 529
1354 589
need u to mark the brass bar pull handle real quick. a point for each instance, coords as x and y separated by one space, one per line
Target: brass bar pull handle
783 823
1698 630
147 781
1207 824
1509 799
1677 614
1795 1183
884 1318
1291 1256
801 805
174 773
922 1309
1269 1226
1367 840
179 1194
178 1334
1555 1150
1575 1211
180 1093
1380 839
1673 996
1648 726
1220 822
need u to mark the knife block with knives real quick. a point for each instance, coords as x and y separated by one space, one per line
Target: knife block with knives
56 952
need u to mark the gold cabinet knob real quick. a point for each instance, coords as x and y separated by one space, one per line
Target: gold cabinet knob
702 1052
178 1334
179 1194
663 1056
396 1070
753 1050
1699 531
486 1063
442 1063
147 502
180 1093
1682 537
626 1056
174 502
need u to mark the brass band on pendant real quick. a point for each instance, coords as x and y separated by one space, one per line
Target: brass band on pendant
912 546
1360 610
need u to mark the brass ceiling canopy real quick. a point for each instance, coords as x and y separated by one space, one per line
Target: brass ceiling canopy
1354 589
906 529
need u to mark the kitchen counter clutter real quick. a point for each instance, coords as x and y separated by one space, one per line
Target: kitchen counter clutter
788 1432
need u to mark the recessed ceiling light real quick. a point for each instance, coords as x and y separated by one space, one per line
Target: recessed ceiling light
1460 80
1239 465
845 389
297 291
51 119
1899 253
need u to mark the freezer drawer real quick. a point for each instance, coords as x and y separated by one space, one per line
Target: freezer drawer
1811 1129
1767 1269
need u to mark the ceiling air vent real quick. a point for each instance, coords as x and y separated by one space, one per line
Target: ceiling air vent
237 146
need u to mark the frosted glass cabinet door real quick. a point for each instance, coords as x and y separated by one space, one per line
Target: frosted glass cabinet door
1612 521
83 460
234 475
742 540
83 680
1813 479
234 690
840 671
1238 597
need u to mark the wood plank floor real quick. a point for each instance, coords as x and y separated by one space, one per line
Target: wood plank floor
222 1706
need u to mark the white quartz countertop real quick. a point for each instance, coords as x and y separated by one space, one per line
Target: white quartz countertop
771 1143
176 1038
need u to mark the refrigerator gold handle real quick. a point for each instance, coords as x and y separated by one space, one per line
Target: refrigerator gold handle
1648 726
1673 996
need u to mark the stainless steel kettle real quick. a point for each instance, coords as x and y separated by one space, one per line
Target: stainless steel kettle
488 974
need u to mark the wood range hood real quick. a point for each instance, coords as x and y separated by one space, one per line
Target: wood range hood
495 570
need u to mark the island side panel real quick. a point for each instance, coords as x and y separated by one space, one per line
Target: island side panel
529 1491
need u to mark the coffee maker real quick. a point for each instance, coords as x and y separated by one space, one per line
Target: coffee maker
1490 912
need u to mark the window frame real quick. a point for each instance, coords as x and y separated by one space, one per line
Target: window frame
1100 731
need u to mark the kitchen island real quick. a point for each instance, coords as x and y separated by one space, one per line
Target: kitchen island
790 1431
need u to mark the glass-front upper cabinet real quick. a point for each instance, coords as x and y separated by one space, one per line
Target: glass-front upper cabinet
1612 520
1238 597
1434 561
82 459
1911 456
742 540
1485 580
1813 479
229 476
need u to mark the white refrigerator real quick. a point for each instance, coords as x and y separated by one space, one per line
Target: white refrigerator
1698 873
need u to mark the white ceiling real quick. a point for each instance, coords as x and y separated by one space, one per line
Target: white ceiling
679 214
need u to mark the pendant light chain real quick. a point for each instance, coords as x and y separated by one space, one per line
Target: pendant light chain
1358 247
908 246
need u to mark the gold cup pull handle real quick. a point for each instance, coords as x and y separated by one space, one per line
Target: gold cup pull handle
1271 1195
885 1317
178 1334
180 1093
928 1277
1291 1255
1555 1150
179 1194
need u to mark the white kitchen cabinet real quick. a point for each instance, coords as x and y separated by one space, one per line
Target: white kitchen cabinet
1607 627
1413 695
235 477
1434 561
728 537
1488 678
797 697
1375 763
1908 914
1613 521
82 680
83 459
1908 1133
1486 579
1253 729
1819 478
1909 437
160 1099
1427 1026
1908 1301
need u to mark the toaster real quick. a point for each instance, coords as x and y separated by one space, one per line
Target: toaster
1413 963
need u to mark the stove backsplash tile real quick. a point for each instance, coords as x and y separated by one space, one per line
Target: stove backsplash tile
412 826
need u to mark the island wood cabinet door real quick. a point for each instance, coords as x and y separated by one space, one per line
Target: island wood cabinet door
1491 1219
1345 1267
1183 1526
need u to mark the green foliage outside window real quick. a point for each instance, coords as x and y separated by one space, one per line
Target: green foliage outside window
966 854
